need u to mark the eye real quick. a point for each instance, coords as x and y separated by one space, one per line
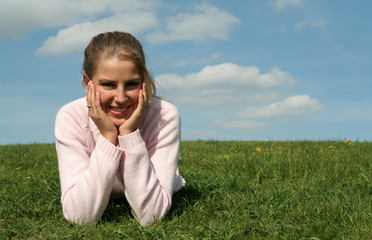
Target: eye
108 85
132 84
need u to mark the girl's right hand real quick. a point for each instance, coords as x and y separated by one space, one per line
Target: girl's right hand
106 127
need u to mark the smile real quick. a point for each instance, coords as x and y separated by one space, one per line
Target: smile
119 109
119 112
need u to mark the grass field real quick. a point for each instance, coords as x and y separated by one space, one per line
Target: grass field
235 190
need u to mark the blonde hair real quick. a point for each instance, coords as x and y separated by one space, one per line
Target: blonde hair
119 45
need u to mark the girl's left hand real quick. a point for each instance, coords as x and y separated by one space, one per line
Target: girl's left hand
106 127
132 123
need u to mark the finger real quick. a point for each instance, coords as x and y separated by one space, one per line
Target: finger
92 95
144 92
139 106
89 94
93 100
141 100
97 102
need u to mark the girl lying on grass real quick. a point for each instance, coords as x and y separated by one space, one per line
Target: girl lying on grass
120 140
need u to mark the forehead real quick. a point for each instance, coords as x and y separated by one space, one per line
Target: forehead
116 68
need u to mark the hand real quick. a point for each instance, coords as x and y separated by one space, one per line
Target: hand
132 123
106 127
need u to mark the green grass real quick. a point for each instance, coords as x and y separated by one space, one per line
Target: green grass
235 190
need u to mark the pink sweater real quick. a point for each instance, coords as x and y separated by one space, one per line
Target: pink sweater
143 165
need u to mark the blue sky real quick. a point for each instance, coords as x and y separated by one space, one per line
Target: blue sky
237 70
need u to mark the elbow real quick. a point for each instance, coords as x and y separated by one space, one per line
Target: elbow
156 211
80 216
80 220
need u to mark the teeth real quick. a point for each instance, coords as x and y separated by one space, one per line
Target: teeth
119 109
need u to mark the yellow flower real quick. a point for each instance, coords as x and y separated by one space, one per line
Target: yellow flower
236 151
258 149
345 141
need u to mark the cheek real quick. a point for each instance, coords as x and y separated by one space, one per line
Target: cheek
105 96
134 95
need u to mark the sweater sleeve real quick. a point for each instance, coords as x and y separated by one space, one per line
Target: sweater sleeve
149 171
87 175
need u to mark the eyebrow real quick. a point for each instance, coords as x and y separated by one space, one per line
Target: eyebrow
112 81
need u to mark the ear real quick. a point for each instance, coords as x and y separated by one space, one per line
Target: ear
86 81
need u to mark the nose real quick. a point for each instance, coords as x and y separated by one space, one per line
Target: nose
120 96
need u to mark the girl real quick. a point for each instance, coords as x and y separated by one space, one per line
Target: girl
120 140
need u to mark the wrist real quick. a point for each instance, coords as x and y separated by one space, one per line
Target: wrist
130 140
123 132
112 138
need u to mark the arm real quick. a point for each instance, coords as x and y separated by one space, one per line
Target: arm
86 175
149 173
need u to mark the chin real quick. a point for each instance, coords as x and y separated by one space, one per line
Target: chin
117 121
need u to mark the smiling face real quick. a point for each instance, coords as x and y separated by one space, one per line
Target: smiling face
118 83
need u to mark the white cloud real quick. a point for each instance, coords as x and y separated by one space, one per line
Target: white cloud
76 37
283 5
19 17
292 106
214 102
225 87
314 23
207 23
226 78
78 20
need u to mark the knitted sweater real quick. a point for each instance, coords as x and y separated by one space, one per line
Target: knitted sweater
142 167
